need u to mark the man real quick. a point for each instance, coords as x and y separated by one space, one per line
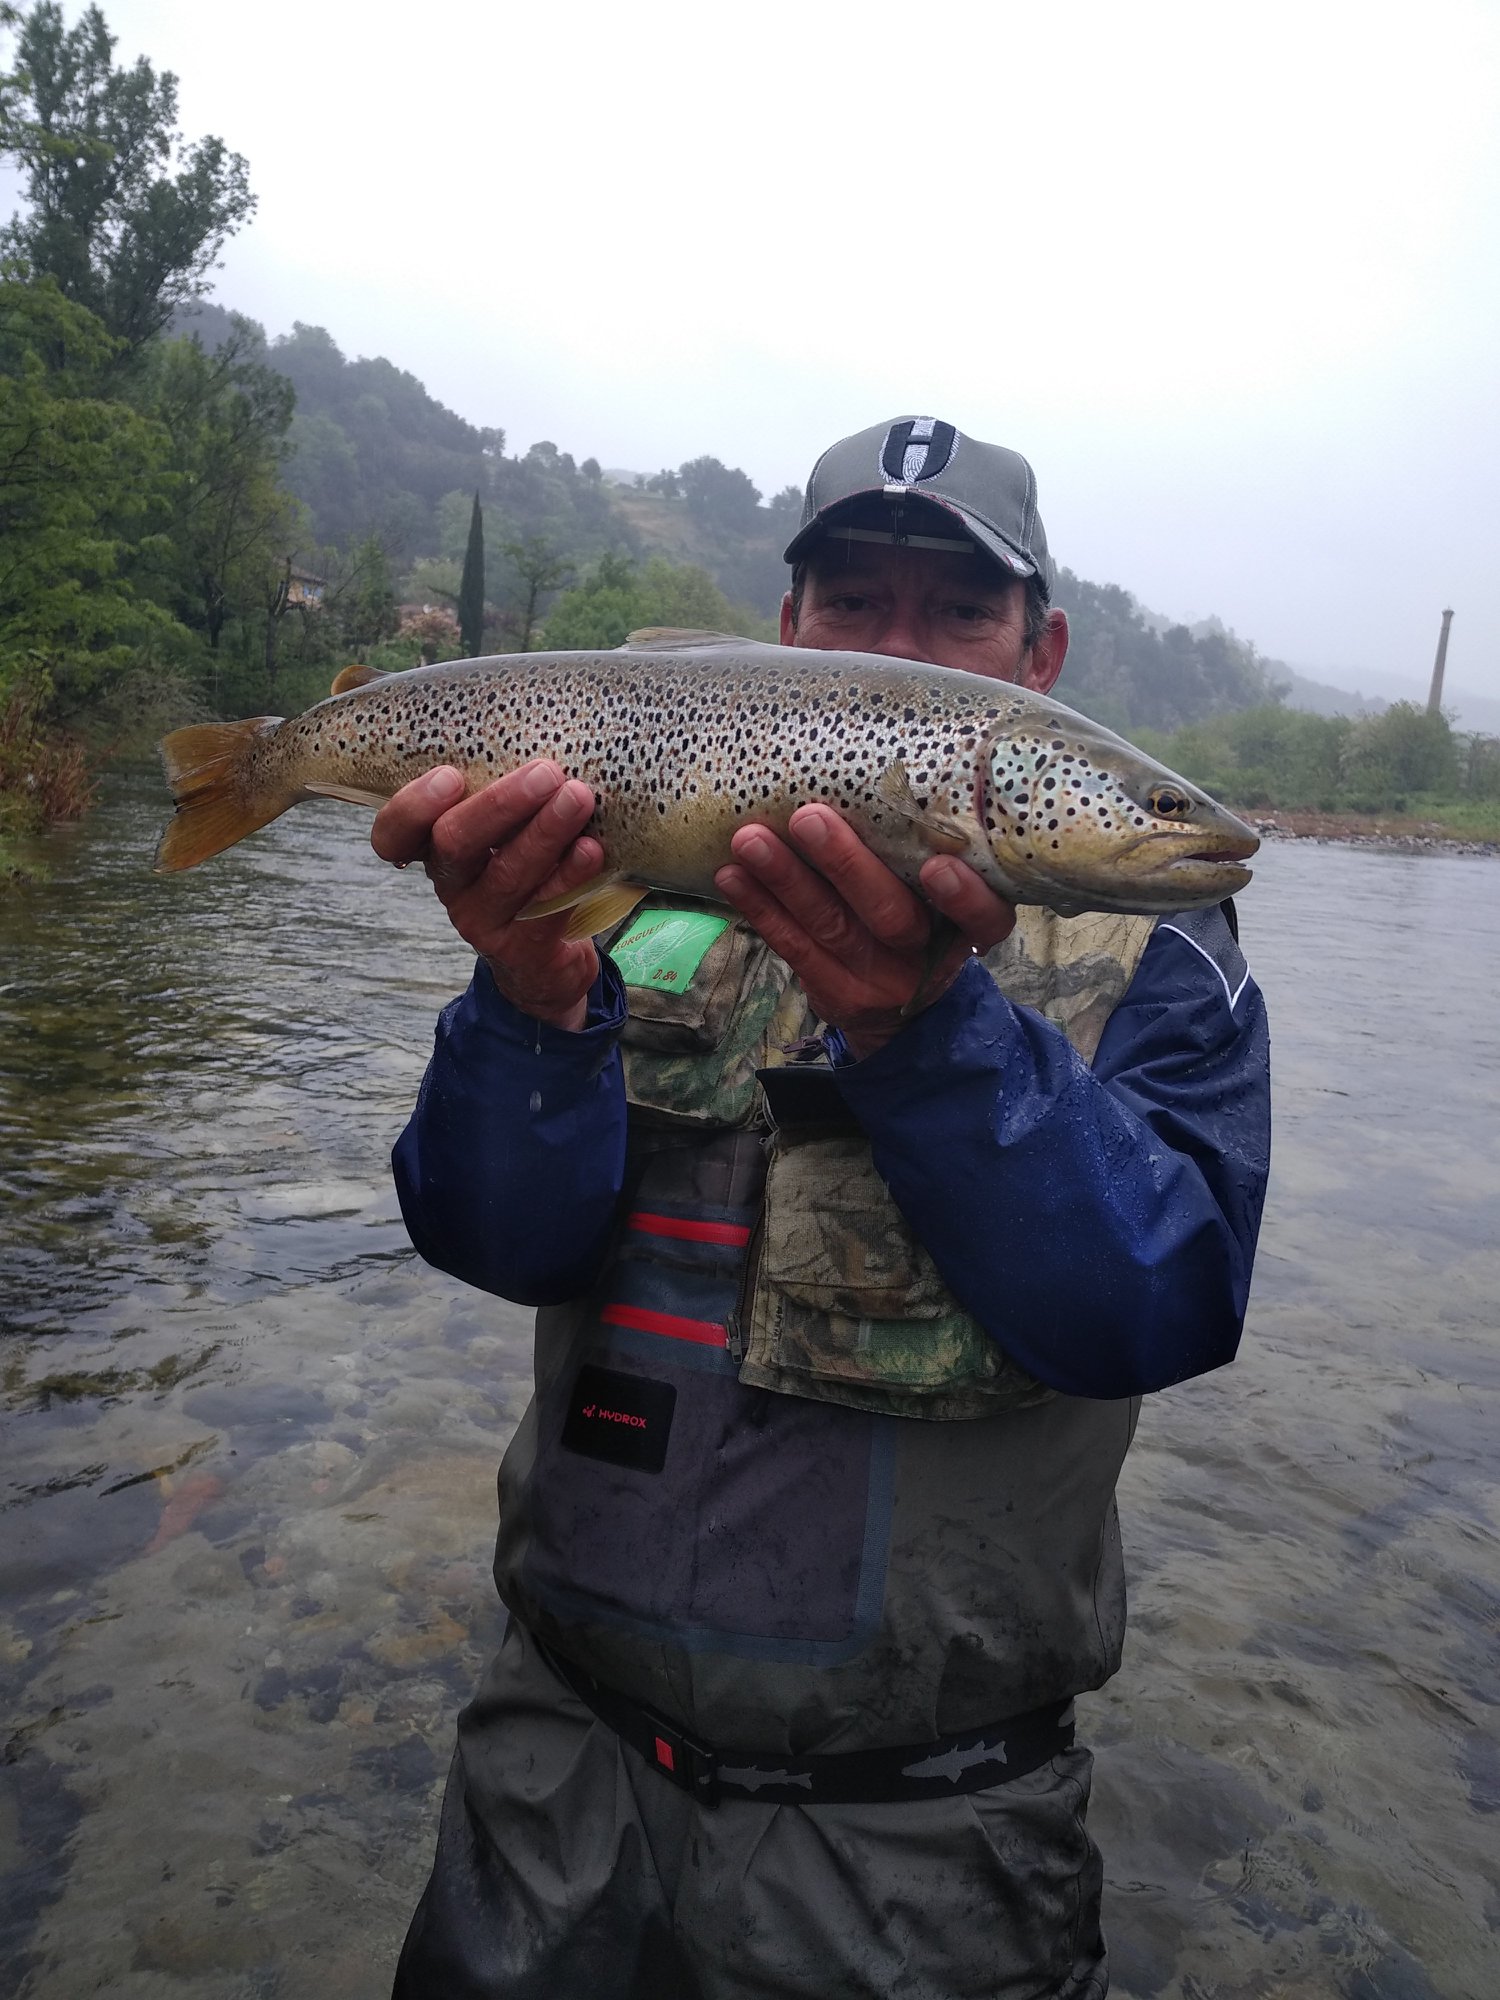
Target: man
852 1270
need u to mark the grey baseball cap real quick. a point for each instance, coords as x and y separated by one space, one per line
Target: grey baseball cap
895 482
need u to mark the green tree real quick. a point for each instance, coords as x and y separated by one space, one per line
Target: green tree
235 527
368 597
471 586
720 495
616 599
540 569
1401 751
84 494
127 219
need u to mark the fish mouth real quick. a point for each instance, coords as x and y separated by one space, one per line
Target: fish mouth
1229 850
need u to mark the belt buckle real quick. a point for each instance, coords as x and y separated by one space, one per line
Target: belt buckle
691 1765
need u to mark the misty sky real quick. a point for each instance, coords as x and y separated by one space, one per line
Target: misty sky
1228 275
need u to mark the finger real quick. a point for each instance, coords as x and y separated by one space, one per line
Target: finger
461 842
404 823
780 872
815 955
517 868
880 899
502 807
582 862
984 918
530 816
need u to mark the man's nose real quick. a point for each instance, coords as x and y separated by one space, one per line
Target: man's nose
899 637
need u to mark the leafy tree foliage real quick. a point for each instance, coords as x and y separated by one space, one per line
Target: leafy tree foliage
720 495
1281 757
540 568
84 494
235 529
1130 676
616 598
372 451
126 219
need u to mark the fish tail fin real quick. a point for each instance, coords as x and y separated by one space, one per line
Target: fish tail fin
204 766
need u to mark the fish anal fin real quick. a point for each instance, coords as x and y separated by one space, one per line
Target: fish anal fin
674 639
351 794
354 676
596 906
942 833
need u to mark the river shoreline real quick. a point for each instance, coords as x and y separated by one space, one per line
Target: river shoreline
1392 833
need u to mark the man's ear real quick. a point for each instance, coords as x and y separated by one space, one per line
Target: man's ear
788 623
1044 662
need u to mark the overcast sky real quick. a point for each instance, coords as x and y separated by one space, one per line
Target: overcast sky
1229 275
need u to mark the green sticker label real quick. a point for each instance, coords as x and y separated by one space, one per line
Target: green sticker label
666 947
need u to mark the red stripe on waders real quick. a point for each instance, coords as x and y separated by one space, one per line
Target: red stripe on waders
706 1332
733 1233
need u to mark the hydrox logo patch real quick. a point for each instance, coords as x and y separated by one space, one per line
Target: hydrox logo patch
623 1419
918 449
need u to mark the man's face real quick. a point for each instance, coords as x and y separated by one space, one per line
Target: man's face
948 609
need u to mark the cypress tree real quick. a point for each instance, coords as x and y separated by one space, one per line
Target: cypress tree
471 587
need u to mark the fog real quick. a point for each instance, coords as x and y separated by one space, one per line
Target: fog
1228 276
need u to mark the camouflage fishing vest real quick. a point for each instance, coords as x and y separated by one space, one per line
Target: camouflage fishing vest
839 1302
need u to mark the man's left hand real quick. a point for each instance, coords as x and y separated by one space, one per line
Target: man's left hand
857 938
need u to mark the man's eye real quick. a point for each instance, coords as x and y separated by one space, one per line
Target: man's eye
970 614
850 602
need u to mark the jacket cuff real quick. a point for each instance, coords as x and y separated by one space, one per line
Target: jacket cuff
929 1039
592 1044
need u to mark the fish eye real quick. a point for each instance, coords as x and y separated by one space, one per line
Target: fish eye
1167 802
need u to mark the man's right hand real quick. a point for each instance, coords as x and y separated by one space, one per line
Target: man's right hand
489 857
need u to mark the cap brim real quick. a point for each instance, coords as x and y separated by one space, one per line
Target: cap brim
842 511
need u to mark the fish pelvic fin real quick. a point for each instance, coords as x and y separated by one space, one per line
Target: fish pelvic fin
351 794
942 833
204 766
596 906
355 676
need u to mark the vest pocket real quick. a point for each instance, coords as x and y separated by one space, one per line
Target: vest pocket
846 1306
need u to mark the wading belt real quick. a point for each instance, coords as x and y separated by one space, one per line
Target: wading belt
968 1763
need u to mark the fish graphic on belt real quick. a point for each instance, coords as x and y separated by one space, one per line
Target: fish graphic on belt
685 736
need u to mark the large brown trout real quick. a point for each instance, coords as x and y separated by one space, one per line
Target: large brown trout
685 736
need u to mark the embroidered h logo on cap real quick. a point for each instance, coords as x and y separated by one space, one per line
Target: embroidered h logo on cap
916 449
921 483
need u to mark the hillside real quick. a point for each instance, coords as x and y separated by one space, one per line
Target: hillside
373 454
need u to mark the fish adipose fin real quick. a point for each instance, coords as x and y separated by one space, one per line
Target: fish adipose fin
942 833
355 676
597 906
671 639
204 766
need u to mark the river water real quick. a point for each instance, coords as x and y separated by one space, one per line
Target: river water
247 1450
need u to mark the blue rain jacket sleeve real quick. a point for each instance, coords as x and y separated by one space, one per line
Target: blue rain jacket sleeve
511 1165
1099 1223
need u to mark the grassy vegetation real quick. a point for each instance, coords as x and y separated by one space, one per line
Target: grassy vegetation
1403 772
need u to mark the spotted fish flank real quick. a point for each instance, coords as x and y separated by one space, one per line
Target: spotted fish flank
686 736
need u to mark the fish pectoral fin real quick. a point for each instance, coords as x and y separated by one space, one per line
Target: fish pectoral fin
351 793
941 832
355 676
674 639
597 906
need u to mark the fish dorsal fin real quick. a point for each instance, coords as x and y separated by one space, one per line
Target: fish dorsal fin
597 906
354 676
940 830
672 639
